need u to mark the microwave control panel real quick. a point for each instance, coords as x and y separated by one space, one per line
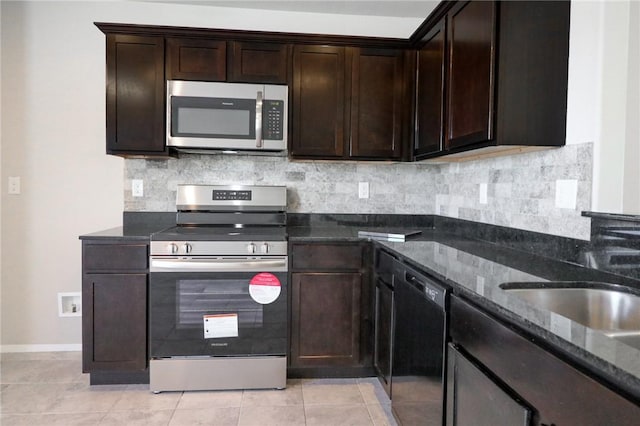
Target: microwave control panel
272 119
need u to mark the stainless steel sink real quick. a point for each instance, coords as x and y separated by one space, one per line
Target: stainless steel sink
613 309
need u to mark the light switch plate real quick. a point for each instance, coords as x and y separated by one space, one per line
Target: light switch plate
14 185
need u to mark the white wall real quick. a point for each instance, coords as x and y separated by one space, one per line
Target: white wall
603 98
631 200
53 134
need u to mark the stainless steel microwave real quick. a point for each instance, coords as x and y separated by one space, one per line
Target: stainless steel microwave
226 116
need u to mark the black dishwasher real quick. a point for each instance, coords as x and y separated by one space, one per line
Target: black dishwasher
419 346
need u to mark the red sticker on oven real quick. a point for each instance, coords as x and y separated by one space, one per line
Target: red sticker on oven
264 288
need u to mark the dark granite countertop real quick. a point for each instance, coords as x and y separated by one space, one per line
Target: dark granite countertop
476 270
333 233
135 226
122 233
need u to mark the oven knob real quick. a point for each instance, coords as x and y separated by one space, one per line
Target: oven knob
187 247
264 248
172 248
251 248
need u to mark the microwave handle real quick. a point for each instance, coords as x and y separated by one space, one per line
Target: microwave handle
259 120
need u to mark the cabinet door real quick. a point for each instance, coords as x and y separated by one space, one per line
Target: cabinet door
114 327
318 113
135 95
192 59
325 323
259 62
470 97
382 355
473 398
430 89
377 108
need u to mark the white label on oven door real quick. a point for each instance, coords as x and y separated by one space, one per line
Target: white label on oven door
264 288
220 325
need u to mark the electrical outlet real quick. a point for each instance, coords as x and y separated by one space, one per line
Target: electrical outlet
483 193
137 188
14 185
363 189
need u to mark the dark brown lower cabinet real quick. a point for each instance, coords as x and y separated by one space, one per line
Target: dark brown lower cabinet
384 323
331 308
114 320
475 399
116 313
556 391
326 319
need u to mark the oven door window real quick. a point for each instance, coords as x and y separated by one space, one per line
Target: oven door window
213 117
181 302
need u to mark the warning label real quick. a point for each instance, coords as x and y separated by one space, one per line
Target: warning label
264 288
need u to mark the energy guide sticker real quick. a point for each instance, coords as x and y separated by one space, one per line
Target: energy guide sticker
264 288
220 325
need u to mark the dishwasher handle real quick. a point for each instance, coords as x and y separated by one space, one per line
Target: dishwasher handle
414 281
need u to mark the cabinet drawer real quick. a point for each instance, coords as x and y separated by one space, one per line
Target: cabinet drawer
327 256
114 257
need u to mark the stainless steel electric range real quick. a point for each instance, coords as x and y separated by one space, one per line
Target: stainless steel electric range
218 291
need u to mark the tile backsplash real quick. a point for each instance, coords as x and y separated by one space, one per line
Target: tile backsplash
519 190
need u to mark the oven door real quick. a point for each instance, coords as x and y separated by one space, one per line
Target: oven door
217 314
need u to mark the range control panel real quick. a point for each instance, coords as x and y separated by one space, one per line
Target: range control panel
231 195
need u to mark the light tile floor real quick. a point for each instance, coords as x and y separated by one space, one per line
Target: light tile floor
50 389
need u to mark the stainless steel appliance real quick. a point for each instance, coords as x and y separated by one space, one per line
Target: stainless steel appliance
218 291
226 116
419 346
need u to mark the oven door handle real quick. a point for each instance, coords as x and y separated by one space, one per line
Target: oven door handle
228 265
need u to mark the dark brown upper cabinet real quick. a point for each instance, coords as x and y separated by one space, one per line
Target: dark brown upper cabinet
377 103
348 102
196 59
471 37
319 98
255 62
430 91
334 113
203 59
135 95
491 76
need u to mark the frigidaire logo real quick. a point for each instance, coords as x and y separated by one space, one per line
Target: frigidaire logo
219 344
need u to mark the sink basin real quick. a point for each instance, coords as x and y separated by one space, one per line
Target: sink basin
613 309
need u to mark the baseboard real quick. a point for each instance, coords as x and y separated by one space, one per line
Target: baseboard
41 348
